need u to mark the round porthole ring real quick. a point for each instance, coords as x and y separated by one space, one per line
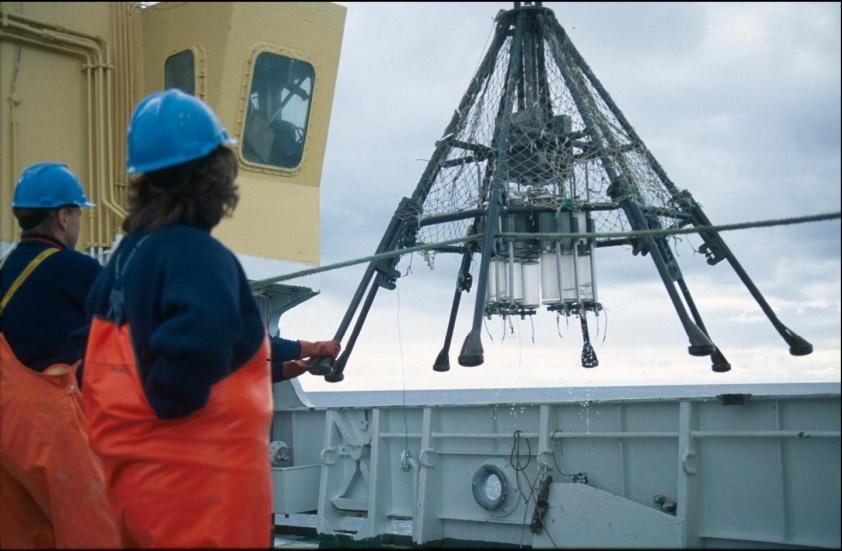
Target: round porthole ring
481 476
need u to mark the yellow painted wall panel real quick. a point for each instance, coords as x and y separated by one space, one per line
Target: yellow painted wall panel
50 116
275 221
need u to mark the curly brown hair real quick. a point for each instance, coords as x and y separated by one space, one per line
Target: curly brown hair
198 193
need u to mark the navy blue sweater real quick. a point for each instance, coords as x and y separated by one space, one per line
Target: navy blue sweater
192 316
49 306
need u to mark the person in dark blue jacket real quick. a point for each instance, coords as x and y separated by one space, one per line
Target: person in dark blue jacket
51 482
50 306
178 364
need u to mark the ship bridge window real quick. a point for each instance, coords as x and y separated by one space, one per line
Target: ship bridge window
278 110
179 72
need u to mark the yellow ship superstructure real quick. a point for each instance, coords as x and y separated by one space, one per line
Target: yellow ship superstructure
71 72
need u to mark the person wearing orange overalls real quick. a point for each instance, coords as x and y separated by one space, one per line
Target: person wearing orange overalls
177 369
52 486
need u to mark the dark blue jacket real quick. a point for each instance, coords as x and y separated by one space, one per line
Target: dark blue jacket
49 306
192 316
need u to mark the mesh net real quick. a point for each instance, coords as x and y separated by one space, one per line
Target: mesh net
563 136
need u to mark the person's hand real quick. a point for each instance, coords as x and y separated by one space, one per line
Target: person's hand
294 368
327 348
319 349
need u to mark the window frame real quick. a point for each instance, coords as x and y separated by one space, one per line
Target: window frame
248 78
199 69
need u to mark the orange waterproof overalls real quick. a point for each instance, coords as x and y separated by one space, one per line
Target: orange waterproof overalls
198 481
52 491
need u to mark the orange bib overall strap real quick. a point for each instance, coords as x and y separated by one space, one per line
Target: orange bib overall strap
52 486
198 481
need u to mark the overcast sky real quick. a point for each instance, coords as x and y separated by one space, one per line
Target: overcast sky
740 103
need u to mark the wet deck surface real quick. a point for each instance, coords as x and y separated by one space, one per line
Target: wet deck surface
295 542
288 541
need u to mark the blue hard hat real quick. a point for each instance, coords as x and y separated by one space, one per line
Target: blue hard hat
47 186
169 128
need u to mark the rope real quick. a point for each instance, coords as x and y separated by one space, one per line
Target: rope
259 284
679 231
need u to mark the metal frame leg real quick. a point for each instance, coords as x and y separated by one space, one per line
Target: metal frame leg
463 283
798 346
